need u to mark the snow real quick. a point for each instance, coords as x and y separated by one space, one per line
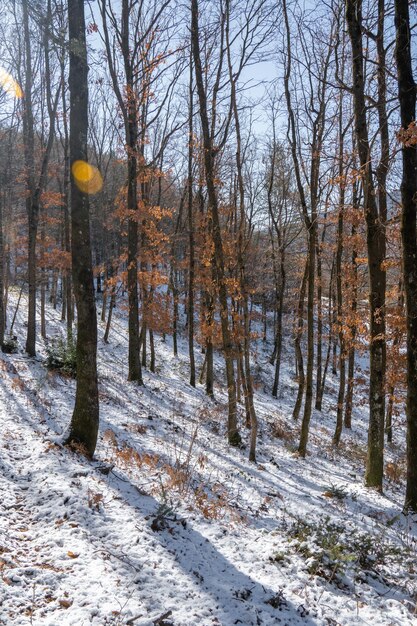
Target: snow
168 520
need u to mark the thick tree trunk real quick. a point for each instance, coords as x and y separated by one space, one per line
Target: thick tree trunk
375 237
135 370
85 419
407 97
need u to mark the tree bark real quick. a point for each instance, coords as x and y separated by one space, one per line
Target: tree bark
32 209
85 419
2 299
407 98
339 293
375 237
352 325
246 369
297 345
35 189
319 341
233 433
129 107
309 208
191 265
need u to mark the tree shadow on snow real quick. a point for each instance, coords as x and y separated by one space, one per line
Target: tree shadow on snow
236 597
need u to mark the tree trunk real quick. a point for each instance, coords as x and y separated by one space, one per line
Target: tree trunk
34 191
330 341
351 351
209 308
375 236
233 433
297 345
339 282
342 356
32 209
191 265
135 370
110 313
319 342
152 347
246 370
67 219
2 264
85 419
407 97
43 284
396 343
278 337
129 107
142 342
305 425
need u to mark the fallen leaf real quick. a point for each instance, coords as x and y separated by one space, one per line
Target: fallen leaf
328 494
65 603
72 555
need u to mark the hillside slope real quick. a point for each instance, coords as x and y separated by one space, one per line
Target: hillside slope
170 521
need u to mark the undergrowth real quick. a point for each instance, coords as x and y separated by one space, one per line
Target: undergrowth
180 478
343 555
62 356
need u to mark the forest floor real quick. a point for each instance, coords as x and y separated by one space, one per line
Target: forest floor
168 520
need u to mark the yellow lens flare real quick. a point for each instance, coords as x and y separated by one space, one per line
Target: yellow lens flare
87 177
9 84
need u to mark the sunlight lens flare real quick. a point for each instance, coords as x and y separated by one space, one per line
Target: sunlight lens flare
9 84
87 177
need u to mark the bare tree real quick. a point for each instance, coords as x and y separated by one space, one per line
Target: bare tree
209 156
317 105
85 419
376 254
407 97
36 182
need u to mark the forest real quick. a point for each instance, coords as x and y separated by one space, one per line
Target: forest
208 312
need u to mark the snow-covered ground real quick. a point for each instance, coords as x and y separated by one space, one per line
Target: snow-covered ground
183 526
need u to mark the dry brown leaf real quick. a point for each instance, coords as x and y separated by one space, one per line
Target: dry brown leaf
72 555
328 494
65 603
